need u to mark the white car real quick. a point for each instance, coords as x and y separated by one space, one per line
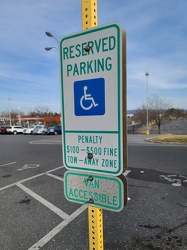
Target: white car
14 130
28 131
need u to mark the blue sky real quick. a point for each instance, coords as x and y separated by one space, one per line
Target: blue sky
156 42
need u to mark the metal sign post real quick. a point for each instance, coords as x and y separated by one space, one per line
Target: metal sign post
94 133
95 215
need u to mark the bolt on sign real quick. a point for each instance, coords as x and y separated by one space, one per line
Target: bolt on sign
106 192
93 94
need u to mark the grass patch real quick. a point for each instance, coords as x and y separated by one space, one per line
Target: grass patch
169 138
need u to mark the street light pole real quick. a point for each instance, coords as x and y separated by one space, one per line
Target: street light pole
9 99
147 116
19 120
50 35
49 48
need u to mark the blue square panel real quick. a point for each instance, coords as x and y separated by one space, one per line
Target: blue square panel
89 97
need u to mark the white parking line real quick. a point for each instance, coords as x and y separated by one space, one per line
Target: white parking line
7 164
56 177
30 178
126 172
47 141
46 203
57 229
66 218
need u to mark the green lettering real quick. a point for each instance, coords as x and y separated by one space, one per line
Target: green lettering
110 203
71 51
108 65
100 65
79 138
69 68
97 45
86 181
110 151
115 152
82 68
104 198
80 195
76 193
70 192
112 42
91 184
90 194
96 196
85 194
104 47
77 47
65 53
75 71
97 184
89 67
115 200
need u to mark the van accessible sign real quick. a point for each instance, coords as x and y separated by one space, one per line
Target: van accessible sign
93 94
97 190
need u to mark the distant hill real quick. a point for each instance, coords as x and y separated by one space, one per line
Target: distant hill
131 111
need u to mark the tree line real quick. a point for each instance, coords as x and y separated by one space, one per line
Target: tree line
40 111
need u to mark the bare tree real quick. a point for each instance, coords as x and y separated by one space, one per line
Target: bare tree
157 111
141 114
158 107
40 111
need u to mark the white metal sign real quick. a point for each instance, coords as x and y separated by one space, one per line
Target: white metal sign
101 191
93 85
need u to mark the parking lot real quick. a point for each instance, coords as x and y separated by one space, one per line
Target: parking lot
30 189
34 213
178 127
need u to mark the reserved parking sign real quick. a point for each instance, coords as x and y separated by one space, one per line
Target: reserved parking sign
93 90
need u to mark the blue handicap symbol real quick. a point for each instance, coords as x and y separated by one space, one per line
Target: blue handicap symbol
89 97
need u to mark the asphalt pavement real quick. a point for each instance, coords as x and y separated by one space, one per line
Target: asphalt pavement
34 214
176 126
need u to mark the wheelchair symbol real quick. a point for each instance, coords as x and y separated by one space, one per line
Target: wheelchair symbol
87 97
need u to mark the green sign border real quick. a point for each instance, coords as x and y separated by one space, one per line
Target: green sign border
95 204
119 82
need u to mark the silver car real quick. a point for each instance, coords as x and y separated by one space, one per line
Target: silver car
29 130
40 129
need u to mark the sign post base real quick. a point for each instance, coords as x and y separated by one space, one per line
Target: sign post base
95 222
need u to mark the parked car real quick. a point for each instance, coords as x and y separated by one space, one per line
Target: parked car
29 130
14 130
2 130
55 130
40 129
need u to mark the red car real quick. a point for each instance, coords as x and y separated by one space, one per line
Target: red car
3 130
